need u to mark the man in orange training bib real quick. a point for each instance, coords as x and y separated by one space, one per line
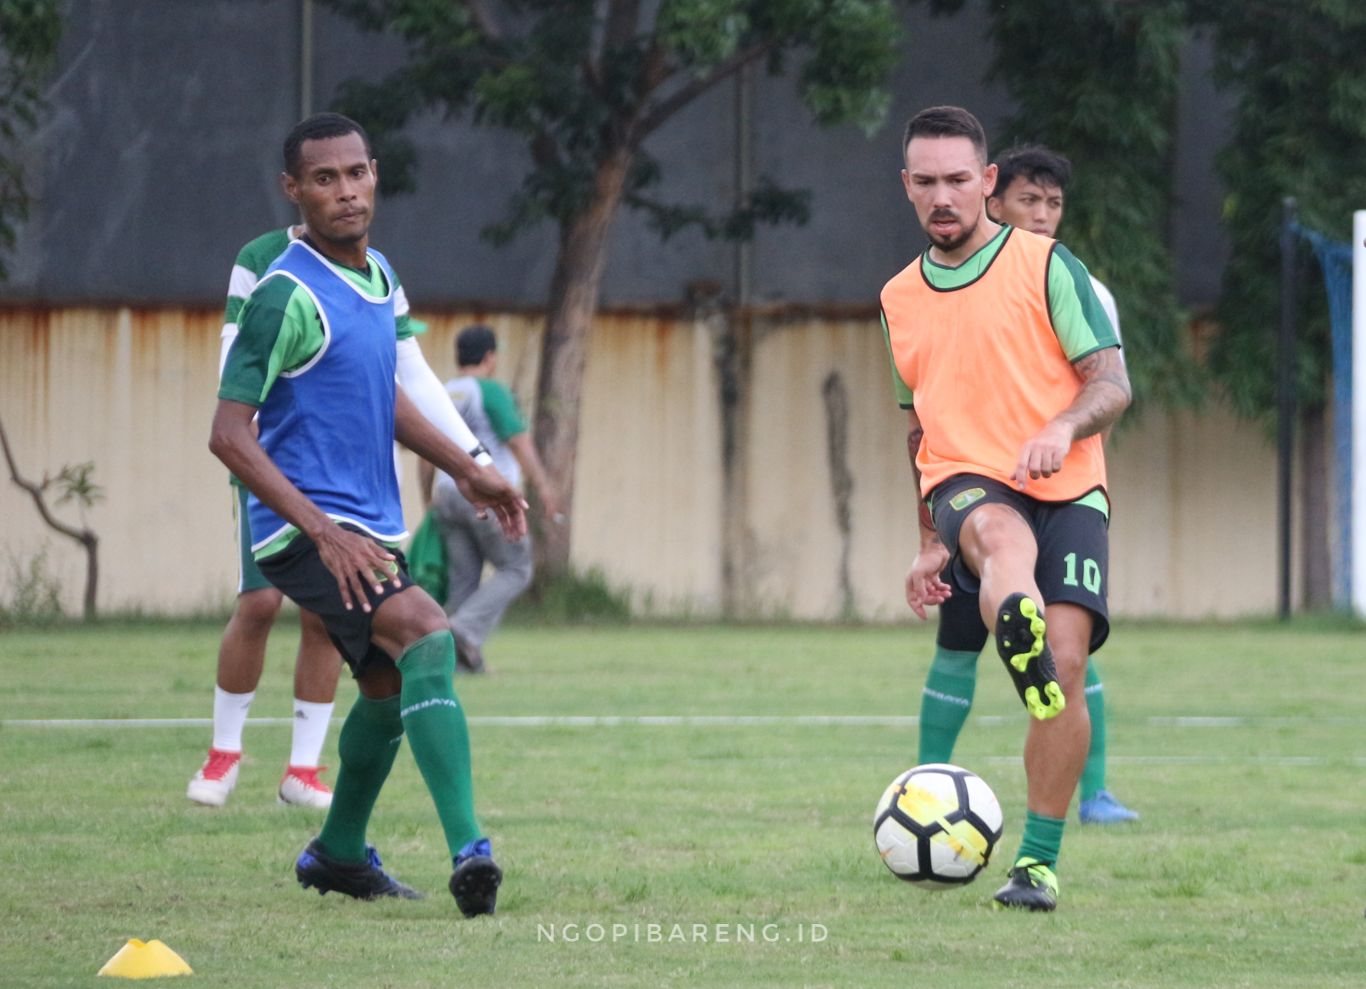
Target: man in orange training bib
1009 371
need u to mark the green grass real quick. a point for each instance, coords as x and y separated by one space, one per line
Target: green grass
1247 870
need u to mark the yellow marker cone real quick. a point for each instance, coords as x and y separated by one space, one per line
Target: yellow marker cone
145 960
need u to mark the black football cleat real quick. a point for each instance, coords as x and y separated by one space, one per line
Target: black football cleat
366 880
1032 886
476 879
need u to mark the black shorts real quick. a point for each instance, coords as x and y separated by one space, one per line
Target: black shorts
960 618
1074 544
300 575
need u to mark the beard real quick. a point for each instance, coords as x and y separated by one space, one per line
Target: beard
955 241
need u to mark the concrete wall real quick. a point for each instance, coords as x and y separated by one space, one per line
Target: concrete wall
132 390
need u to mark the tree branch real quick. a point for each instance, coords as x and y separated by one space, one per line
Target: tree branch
667 107
83 536
36 492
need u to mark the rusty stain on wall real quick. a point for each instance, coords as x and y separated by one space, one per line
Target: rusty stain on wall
133 390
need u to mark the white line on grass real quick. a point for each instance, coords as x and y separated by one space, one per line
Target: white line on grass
587 721
686 720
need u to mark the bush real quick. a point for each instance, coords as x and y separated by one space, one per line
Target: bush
576 598
33 594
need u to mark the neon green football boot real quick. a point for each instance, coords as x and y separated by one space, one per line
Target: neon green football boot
1032 886
1021 641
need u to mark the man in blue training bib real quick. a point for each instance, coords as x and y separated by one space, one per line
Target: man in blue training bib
314 362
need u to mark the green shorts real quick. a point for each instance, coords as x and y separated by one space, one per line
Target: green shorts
249 576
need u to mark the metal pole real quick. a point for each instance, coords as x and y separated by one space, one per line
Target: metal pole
744 179
1285 401
1358 502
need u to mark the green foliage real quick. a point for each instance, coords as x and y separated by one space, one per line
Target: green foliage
574 599
585 81
1097 81
29 31
33 594
1299 129
74 483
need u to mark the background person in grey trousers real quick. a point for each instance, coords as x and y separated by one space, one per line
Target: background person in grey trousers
473 605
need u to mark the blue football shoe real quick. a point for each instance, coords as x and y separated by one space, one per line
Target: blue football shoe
1104 808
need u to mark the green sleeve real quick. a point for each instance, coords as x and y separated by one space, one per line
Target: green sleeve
1079 320
904 397
233 309
278 330
251 263
501 408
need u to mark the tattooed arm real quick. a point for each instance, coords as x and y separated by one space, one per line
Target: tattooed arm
1104 395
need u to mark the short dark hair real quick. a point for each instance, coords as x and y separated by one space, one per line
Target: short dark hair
473 344
947 121
1033 163
319 127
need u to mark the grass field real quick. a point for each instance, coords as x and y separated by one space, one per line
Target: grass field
1244 748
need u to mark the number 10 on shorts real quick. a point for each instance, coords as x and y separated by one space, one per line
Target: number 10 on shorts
1090 573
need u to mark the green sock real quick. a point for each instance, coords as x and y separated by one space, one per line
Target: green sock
1042 839
1093 774
945 702
437 734
369 740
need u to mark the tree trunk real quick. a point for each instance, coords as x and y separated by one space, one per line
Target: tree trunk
841 482
91 542
732 356
572 305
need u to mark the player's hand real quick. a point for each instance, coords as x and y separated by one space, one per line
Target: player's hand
1043 454
923 584
356 561
488 491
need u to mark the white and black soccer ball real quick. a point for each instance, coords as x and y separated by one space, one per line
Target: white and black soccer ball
937 825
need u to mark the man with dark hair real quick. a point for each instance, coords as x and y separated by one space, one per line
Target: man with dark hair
947 121
1030 184
241 652
474 605
314 364
1009 371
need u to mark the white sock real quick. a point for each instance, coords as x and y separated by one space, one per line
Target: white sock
310 731
229 716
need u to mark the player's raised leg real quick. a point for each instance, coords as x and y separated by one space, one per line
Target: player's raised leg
999 546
